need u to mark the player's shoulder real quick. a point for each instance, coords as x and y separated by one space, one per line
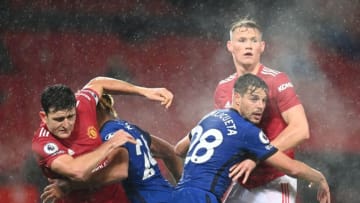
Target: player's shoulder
87 94
267 72
42 132
270 75
228 80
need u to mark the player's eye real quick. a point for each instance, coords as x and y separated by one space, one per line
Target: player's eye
59 119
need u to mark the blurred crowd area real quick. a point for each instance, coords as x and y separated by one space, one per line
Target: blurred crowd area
180 45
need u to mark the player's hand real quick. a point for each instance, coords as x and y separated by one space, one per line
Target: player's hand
159 94
121 137
243 168
323 194
55 190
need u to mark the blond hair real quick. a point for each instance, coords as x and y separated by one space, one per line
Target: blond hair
244 22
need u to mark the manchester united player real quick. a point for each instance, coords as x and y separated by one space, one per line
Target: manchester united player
284 120
68 135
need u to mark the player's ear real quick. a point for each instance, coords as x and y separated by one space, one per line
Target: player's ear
229 46
236 98
42 115
262 46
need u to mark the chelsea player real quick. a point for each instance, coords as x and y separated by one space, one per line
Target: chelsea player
145 183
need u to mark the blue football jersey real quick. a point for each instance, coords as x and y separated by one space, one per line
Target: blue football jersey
145 182
220 140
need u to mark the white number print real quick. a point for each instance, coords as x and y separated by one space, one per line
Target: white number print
202 147
149 161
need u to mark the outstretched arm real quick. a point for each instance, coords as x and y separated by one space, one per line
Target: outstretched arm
301 170
113 86
162 149
182 146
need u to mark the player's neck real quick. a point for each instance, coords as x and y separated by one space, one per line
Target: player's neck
253 69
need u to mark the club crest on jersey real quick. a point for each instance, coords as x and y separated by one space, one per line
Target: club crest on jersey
92 133
263 138
50 148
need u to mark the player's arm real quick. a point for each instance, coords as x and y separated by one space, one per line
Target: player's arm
301 170
297 129
182 146
162 149
116 170
113 86
81 167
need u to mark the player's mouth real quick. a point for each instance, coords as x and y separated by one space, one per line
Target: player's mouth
248 54
257 116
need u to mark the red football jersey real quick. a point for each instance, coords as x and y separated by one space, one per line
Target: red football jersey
281 97
84 138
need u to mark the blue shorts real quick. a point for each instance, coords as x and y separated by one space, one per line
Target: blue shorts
193 195
150 196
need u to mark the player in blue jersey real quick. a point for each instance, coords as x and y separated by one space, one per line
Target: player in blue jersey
145 183
226 137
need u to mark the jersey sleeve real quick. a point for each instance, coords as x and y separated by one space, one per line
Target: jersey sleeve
258 144
87 97
285 92
221 96
47 149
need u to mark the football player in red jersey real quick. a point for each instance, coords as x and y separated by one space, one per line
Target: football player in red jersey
284 120
67 143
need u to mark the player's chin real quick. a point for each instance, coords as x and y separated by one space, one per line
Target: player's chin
255 119
63 135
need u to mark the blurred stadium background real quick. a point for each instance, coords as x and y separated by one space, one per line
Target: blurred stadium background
179 44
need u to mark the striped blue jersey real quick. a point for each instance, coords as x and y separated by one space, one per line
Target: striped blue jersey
221 139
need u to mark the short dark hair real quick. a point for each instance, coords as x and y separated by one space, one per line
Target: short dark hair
58 97
250 82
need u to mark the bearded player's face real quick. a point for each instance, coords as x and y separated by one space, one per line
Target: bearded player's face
60 123
252 104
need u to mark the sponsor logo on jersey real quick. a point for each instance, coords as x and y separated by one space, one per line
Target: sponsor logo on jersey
50 148
284 86
263 138
92 133
128 126
109 136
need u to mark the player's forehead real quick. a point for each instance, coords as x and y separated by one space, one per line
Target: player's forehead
246 31
61 113
256 91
